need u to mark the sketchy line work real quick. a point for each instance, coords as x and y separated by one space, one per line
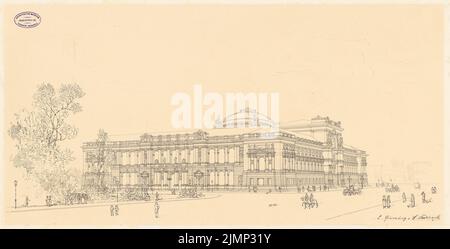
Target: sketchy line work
307 158
299 156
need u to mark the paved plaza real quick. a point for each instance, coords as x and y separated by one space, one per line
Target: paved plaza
244 209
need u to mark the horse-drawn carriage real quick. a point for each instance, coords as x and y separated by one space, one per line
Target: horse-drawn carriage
351 190
308 201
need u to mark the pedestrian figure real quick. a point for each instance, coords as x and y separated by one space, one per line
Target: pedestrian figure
111 209
156 196
412 202
27 200
156 209
388 201
404 197
49 200
433 190
116 209
305 202
384 201
303 188
424 199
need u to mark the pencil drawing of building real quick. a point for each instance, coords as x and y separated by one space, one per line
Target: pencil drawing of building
300 154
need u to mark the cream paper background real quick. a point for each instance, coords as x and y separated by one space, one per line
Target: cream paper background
377 68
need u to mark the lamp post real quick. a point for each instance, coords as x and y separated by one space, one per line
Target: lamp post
15 193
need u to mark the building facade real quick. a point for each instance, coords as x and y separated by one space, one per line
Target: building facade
306 154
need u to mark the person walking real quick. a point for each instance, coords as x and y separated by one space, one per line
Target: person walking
404 197
412 201
111 209
305 201
388 201
384 201
156 209
116 210
424 200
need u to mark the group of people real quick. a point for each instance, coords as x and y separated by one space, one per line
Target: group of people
48 200
386 201
309 188
312 188
114 209
412 202
190 193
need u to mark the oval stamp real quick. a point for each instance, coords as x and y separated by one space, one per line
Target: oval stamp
27 19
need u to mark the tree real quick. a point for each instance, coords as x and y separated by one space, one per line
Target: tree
99 159
39 134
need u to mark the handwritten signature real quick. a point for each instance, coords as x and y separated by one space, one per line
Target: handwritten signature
417 217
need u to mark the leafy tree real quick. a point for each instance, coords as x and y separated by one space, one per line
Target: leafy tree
39 134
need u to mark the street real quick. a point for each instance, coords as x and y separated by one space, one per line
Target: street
244 209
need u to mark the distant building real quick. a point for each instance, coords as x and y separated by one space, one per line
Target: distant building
302 154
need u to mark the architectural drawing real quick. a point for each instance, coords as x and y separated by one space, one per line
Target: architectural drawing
241 116
309 154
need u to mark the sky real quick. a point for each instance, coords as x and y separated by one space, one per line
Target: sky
377 69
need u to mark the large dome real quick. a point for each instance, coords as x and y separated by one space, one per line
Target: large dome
248 118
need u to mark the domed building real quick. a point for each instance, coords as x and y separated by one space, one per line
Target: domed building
245 149
247 118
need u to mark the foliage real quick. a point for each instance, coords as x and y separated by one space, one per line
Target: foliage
99 159
39 134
